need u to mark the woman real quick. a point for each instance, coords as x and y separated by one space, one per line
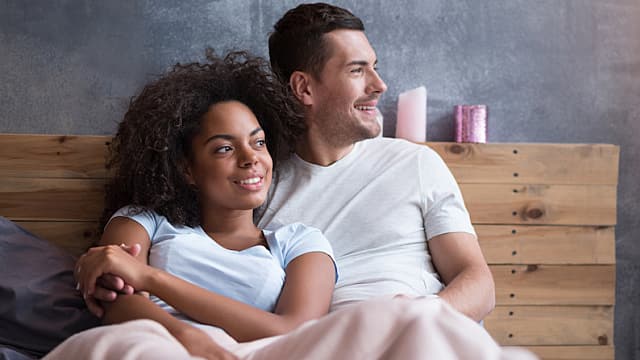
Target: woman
191 164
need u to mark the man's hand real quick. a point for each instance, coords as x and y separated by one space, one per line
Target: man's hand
108 286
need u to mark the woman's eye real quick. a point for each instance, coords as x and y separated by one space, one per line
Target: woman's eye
223 149
261 143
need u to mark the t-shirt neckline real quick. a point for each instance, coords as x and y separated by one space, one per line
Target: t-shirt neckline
338 164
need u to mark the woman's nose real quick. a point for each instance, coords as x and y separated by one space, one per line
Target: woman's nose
248 158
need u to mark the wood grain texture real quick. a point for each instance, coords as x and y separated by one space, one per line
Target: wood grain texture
541 204
551 325
554 284
533 244
588 164
53 156
51 199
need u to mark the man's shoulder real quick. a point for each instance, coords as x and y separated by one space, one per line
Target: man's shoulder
398 147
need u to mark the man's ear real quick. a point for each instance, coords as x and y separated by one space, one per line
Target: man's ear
301 87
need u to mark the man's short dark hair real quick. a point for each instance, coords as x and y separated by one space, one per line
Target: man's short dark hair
297 41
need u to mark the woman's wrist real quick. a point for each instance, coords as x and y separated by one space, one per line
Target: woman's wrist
153 280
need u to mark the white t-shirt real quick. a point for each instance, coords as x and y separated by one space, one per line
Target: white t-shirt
377 206
254 275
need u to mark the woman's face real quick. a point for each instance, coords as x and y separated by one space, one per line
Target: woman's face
230 165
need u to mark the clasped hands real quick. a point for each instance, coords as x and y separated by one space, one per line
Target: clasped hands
104 272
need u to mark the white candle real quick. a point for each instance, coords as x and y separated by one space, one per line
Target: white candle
412 115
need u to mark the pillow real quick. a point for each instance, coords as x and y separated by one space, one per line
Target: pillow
39 305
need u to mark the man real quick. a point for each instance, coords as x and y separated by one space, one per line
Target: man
391 209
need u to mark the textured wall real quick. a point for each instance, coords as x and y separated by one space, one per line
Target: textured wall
550 71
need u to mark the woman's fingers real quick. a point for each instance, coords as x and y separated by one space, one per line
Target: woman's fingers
110 267
133 250
95 263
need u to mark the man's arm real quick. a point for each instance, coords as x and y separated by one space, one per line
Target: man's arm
469 284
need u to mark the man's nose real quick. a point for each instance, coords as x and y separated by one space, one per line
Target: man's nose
376 84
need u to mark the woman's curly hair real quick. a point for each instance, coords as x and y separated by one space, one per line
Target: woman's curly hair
153 141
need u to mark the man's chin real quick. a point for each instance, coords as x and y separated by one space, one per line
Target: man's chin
372 131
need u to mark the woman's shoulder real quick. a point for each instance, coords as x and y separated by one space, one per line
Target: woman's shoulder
152 221
297 238
290 231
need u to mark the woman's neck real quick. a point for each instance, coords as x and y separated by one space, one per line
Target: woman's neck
233 230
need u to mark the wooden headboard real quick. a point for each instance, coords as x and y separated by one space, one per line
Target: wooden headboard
545 216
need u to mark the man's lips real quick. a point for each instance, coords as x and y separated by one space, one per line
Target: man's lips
368 106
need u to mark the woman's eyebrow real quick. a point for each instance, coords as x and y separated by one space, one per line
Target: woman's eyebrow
231 137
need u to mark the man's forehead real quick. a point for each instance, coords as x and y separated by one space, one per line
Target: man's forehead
346 46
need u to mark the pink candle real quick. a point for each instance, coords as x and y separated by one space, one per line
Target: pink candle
471 123
412 115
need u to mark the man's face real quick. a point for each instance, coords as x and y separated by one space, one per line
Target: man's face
345 94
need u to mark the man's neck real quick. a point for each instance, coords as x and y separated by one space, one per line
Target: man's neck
316 151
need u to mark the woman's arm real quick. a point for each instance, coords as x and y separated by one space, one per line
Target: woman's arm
196 341
137 306
306 294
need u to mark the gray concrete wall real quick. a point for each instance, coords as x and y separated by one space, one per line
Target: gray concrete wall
550 71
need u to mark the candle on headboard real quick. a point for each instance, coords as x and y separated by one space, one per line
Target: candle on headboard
471 123
412 115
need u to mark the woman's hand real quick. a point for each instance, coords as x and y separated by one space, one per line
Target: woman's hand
198 343
111 260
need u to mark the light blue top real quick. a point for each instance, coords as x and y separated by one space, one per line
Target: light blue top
254 276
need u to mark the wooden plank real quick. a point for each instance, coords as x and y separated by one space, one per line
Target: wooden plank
51 199
26 198
53 156
551 325
554 284
598 352
541 204
535 244
74 237
531 163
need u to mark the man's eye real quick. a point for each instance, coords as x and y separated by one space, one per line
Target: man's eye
223 149
356 71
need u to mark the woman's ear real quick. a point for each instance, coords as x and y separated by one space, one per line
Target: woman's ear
300 83
186 170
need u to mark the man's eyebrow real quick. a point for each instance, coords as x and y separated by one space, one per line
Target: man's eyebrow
231 137
361 63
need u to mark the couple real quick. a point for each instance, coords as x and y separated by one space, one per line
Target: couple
194 162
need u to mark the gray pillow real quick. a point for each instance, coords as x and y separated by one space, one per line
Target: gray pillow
39 306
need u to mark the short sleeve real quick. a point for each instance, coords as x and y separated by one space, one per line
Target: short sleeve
147 219
298 239
443 206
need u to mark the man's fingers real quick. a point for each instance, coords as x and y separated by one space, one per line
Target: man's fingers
103 294
111 282
128 289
